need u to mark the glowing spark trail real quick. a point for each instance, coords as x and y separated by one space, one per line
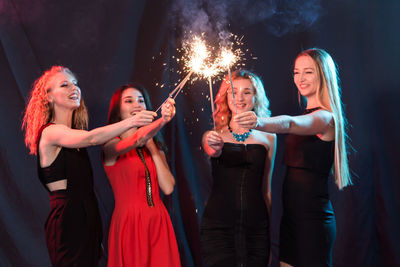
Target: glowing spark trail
197 53
199 58
228 58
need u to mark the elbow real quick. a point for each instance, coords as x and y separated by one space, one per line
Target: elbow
141 141
290 124
93 141
169 189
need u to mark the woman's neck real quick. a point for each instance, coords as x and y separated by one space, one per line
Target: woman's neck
63 117
312 102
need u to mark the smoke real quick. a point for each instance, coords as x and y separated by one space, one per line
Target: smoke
212 17
26 11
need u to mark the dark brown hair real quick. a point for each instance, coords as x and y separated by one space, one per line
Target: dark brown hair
114 112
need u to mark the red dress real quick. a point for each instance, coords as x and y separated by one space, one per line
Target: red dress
140 235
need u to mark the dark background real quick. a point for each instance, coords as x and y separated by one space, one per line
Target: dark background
109 43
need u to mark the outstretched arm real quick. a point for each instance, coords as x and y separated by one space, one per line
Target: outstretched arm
317 122
61 135
117 147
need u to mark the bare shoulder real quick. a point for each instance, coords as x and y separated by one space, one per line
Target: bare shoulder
47 150
324 115
51 130
55 130
267 139
266 135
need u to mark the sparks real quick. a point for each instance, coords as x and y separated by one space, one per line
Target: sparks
227 58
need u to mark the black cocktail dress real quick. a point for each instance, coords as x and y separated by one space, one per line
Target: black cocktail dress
73 227
235 223
308 226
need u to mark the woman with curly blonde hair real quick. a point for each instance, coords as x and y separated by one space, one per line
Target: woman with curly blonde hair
55 123
315 145
235 223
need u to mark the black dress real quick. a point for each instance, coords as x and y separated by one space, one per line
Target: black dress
235 223
73 227
308 226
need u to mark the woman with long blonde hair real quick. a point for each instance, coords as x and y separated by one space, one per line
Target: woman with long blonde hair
315 145
235 223
55 124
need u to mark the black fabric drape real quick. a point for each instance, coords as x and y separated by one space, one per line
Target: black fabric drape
109 43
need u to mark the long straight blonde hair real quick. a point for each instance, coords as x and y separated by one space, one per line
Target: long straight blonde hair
39 111
329 97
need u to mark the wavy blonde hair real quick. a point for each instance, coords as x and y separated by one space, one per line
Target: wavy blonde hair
329 97
39 111
223 115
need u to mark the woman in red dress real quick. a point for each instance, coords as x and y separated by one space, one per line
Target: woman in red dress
141 233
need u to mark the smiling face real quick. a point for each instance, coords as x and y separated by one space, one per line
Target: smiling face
244 95
306 76
132 102
64 91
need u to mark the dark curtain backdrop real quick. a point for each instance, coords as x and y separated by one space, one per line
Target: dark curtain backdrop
109 43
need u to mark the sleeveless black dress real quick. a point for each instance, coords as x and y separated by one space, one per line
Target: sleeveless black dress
235 223
308 226
73 227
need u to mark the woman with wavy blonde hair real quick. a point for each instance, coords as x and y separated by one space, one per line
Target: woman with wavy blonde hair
235 223
55 123
315 145
261 103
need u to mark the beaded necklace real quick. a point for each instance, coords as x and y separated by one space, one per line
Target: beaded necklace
240 137
149 195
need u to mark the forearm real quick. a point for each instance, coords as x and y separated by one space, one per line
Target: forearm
278 124
165 178
138 139
104 134
144 133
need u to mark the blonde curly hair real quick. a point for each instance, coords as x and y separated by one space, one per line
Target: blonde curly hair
39 111
222 114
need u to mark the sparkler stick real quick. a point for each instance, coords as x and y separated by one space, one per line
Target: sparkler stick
177 89
211 100
181 84
233 91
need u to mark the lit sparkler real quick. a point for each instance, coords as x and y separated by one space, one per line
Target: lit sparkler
198 59
197 53
227 59
208 73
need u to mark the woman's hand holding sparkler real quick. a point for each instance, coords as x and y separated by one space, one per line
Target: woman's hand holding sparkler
143 118
247 120
213 143
168 110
